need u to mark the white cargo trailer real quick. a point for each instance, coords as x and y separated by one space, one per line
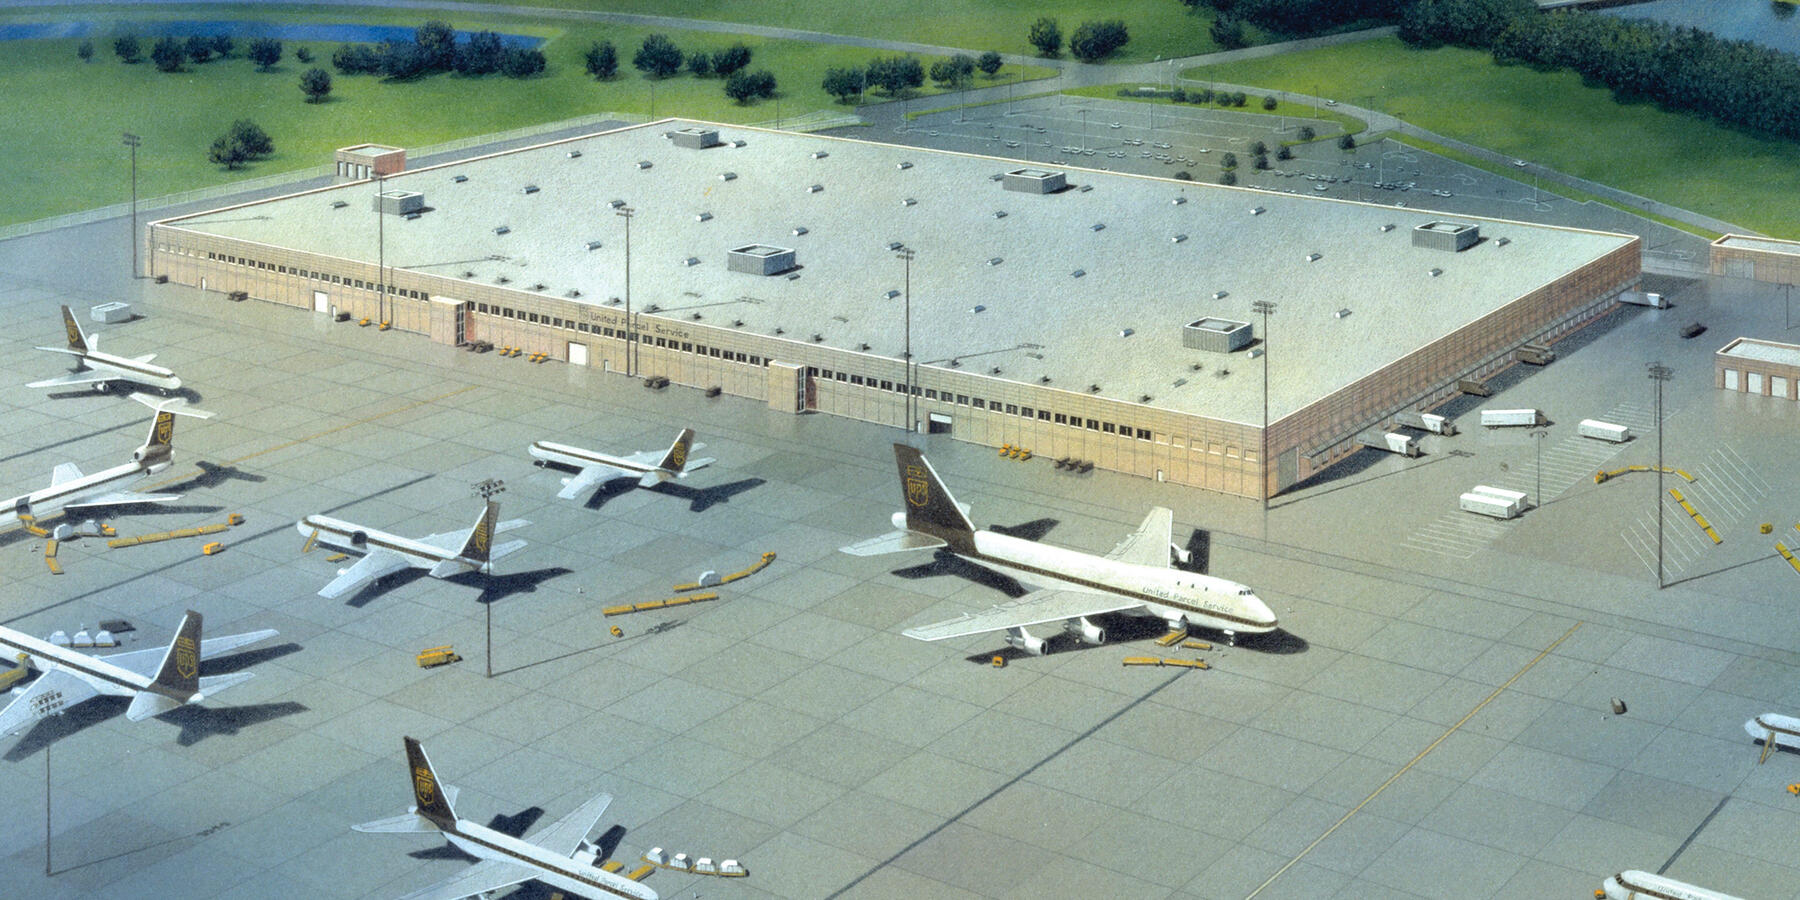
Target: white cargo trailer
1425 421
1605 431
1487 505
1644 298
1498 418
1515 499
1403 444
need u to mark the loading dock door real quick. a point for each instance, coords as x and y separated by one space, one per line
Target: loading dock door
937 423
578 354
321 301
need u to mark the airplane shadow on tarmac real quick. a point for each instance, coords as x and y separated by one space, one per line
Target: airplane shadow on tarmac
493 587
512 826
699 499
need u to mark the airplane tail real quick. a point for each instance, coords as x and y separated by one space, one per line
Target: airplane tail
930 509
78 340
481 537
431 798
677 458
177 680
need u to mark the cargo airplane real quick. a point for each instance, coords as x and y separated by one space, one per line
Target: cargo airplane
1135 578
102 369
595 469
506 860
157 680
384 554
70 489
1636 885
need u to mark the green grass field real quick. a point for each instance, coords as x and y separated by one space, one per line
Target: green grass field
82 108
1554 119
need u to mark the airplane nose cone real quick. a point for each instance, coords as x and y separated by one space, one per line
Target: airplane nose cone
1260 611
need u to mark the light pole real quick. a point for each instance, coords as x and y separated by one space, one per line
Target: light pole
1659 373
1537 499
1084 129
626 212
132 141
487 489
906 255
1265 307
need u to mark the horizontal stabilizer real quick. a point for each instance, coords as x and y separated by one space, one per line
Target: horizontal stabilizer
63 350
149 703
176 405
65 472
448 568
696 465
122 498
893 542
510 524
652 479
212 684
143 359
506 549
410 823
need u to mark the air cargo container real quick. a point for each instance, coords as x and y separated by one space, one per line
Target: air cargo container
1498 418
1488 505
1605 431
1516 499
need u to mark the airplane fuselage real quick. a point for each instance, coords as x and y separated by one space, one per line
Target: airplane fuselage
1636 885
132 370
577 458
349 536
1170 594
101 675
48 501
577 875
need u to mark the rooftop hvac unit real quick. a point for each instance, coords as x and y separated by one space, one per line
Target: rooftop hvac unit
529 189
1178 201
799 230
643 164
1215 335
399 203
1387 228
339 204
760 259
909 202
1034 181
695 138
616 204
1077 273
459 179
503 229
593 245
574 154
1176 239
1452 236
1257 210
703 217
819 154
727 176
902 165
813 189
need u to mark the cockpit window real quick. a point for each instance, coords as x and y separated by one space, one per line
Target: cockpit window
1244 593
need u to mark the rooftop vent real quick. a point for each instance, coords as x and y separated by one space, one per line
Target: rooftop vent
574 154
529 189
593 245
977 308
1257 210
1085 188
339 204
643 164
1435 272
1453 236
504 229
890 294
813 189
695 138
1220 295
1077 273
819 154
703 217
691 261
903 165
895 245
997 176
399 203
412 215
737 143
994 261
1097 226
1215 335
1035 181
1387 228
1178 238
1178 201
727 176
999 213
909 202
616 204
459 179
1341 313
1313 257
760 259
1127 332
1043 379
572 293
799 230
1501 242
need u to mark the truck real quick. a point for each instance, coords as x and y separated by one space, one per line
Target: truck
1604 431
1535 354
1514 499
1392 441
1500 418
1487 505
1425 421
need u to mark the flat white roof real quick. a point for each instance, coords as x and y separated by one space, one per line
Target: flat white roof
1763 351
1765 245
1047 289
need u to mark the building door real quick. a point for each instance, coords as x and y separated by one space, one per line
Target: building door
1739 268
1755 379
578 354
321 302
937 423
1287 469
1731 379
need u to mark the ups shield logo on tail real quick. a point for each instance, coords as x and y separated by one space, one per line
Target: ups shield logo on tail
918 490
479 538
678 456
424 786
165 427
73 330
187 660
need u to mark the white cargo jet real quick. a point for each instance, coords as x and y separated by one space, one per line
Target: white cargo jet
157 680
383 554
506 860
69 489
1135 578
1636 885
595 469
102 369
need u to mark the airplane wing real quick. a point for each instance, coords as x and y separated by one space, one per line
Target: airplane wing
566 834
86 376
1034 608
121 498
892 542
146 662
489 875
23 710
589 478
378 564
143 359
64 472
1149 545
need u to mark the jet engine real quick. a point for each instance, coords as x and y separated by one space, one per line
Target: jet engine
1024 640
1087 631
359 538
899 520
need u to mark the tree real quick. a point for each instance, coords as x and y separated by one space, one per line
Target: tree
85 50
1046 36
356 59
265 52
1184 175
1307 133
482 55
437 42
1261 162
401 60
731 59
990 63
602 60
745 86
1465 23
1269 103
167 54
843 83
522 62
222 45
1228 178
252 138
658 57
317 85
199 48
1178 95
700 64
1347 142
1259 148
1228 33
1284 153
896 73
942 72
128 48
303 54
1228 161
226 152
1094 41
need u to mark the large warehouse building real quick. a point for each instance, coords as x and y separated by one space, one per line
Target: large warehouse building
1085 314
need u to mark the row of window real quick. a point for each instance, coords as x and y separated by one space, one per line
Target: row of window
321 277
1011 409
505 312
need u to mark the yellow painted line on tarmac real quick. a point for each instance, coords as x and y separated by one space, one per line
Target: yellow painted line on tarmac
319 434
1415 760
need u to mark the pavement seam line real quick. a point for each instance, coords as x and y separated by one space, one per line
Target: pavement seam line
1415 760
